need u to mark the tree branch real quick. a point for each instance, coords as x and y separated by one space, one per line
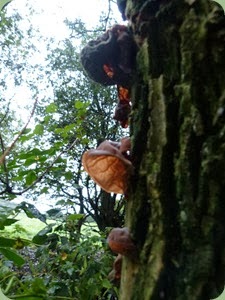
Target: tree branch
7 151
46 170
5 181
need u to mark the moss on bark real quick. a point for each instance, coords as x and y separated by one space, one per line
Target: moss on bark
176 205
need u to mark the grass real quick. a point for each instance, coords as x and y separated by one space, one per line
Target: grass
27 228
24 228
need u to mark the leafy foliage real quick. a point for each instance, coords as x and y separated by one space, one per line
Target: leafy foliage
40 155
64 263
49 154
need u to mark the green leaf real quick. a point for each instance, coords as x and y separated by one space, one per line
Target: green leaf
13 256
33 152
65 130
39 129
51 108
73 217
106 284
31 177
7 242
16 243
38 286
25 138
3 3
54 212
29 161
69 175
27 130
42 236
40 239
9 222
44 190
78 104
31 211
47 119
47 229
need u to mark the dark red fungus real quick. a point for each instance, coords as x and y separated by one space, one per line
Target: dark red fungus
110 59
115 274
123 108
117 266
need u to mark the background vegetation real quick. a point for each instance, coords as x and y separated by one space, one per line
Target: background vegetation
61 253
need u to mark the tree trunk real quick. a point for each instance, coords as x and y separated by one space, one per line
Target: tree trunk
176 204
108 213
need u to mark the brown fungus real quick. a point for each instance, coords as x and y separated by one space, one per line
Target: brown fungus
115 274
109 165
120 242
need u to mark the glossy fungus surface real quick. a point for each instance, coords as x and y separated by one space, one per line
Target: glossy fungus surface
108 166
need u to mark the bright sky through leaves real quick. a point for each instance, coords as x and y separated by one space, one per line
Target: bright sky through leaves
48 18
49 15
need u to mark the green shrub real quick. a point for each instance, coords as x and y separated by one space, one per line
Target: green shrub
62 264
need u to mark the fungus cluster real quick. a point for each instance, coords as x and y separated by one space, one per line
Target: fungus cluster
120 242
109 165
110 60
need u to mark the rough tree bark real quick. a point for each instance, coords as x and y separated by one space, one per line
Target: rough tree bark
176 204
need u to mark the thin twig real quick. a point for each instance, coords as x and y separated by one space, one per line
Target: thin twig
7 151
6 181
5 115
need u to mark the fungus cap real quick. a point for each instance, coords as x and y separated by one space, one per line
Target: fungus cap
120 242
108 167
